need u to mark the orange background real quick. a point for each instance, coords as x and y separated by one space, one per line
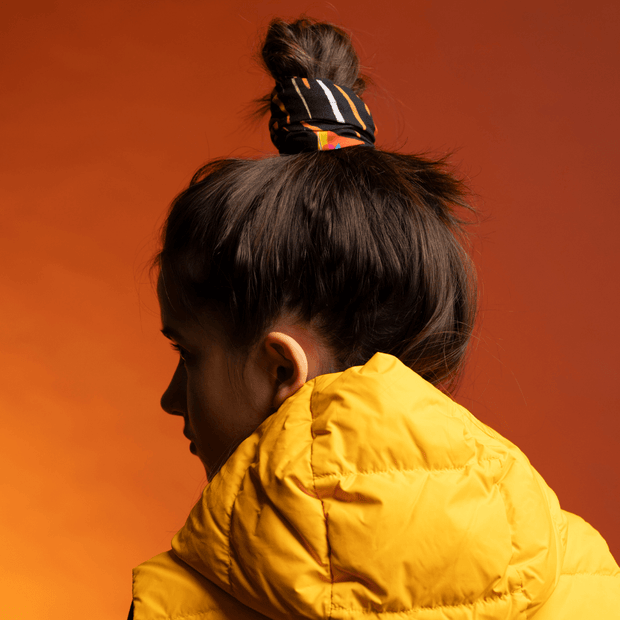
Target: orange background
106 110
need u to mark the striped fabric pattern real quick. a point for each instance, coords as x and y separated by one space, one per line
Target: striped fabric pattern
311 115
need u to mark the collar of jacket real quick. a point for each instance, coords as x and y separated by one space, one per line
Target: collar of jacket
370 491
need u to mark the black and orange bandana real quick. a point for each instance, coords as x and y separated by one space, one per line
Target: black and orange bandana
318 115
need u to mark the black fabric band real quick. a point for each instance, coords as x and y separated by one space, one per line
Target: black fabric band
311 115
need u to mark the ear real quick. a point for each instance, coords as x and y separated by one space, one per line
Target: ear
289 364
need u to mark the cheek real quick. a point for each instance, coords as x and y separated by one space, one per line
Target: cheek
209 408
197 399
222 409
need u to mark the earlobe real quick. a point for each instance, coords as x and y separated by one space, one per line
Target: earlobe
291 365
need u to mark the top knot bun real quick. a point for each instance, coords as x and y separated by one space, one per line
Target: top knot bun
310 49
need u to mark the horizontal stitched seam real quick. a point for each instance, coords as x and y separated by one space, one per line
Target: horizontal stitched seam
197 613
590 575
431 607
396 469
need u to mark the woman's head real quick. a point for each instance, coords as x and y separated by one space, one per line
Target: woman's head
361 244
360 247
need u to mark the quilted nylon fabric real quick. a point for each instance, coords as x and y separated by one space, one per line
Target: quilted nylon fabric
370 494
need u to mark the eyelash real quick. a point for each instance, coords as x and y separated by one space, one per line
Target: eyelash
180 350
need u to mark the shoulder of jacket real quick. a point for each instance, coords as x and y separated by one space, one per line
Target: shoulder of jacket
589 584
587 553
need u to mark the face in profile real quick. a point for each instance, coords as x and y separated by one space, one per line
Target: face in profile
219 405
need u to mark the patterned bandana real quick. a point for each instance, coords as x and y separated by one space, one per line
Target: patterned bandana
311 115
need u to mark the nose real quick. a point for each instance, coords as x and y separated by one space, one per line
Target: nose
174 399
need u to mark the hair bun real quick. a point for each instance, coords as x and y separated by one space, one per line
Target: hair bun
310 49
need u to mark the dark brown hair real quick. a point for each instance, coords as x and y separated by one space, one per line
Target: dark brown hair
365 245
310 49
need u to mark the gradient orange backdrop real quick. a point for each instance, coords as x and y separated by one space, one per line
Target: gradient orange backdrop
107 107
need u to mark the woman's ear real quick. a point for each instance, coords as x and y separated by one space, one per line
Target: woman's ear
288 363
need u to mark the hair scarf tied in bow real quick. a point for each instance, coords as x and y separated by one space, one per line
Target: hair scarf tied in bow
311 115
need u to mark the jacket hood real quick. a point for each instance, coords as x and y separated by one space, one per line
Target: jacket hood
370 491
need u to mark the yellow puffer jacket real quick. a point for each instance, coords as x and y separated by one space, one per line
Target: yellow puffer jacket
370 494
